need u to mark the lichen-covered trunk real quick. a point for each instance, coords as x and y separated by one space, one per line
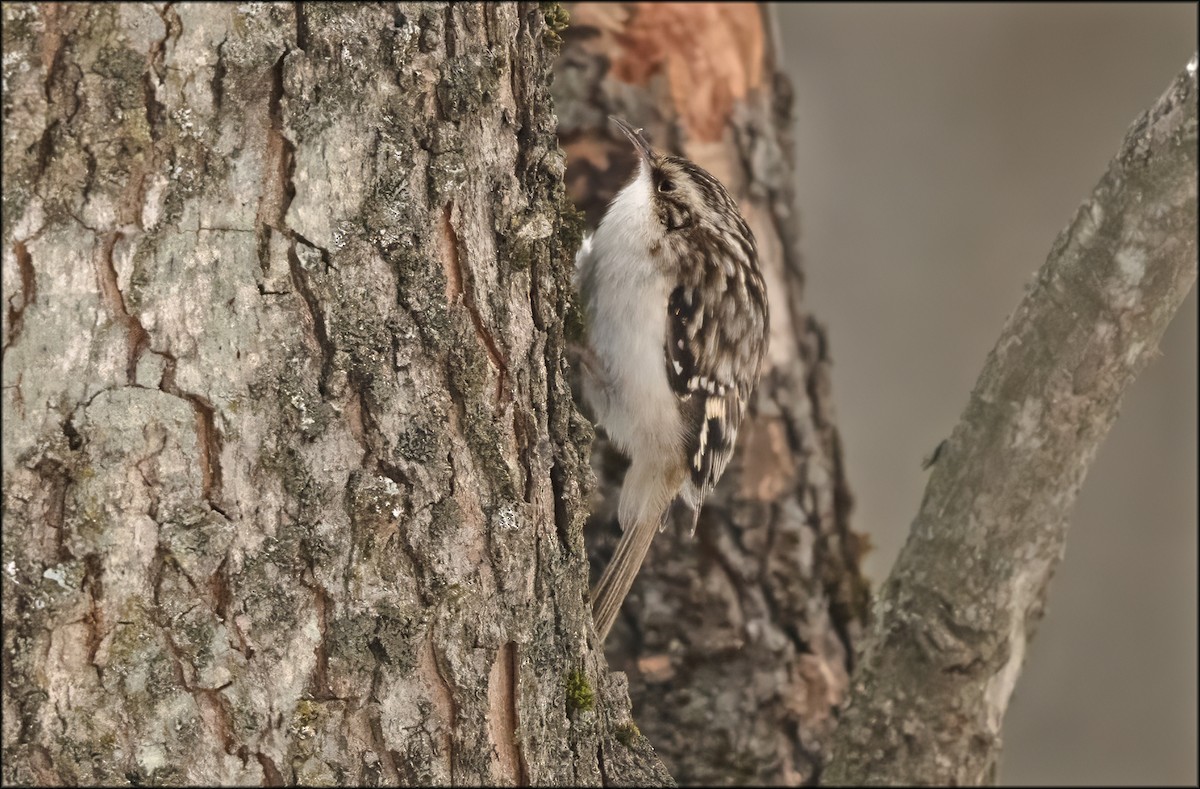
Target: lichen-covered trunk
293 481
737 643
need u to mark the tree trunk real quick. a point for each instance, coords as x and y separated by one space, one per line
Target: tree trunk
293 482
737 643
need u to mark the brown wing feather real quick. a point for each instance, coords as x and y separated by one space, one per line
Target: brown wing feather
713 353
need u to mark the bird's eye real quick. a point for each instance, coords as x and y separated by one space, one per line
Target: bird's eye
666 185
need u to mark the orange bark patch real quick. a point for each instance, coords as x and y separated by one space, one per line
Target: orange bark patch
502 722
450 263
770 462
656 668
710 53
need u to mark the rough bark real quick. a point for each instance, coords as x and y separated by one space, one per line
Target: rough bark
293 482
737 644
954 620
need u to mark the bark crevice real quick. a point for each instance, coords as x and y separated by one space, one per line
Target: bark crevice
26 296
137 338
460 290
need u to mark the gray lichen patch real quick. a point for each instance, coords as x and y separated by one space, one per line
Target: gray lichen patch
420 285
468 83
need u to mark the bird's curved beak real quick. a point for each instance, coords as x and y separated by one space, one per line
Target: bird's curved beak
635 137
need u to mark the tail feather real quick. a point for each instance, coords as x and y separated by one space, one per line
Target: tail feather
645 501
618 576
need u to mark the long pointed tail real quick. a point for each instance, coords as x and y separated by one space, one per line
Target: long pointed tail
645 501
618 576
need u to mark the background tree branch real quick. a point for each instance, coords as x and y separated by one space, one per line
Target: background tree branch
955 616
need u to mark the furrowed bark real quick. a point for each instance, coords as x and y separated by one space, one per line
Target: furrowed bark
955 618
737 644
294 486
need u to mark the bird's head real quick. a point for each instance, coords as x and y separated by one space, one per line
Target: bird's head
682 195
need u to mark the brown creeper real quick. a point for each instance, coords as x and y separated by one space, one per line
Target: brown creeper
677 327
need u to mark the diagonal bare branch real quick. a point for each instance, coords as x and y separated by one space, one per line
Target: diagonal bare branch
954 619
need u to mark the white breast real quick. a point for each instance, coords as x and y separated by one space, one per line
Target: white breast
626 297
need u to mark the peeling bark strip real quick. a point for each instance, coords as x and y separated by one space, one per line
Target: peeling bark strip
503 717
956 615
278 501
737 644
17 302
106 275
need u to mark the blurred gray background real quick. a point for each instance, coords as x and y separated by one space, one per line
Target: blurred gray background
940 149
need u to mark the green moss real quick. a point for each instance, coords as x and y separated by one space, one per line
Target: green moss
627 732
580 696
557 19
306 713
